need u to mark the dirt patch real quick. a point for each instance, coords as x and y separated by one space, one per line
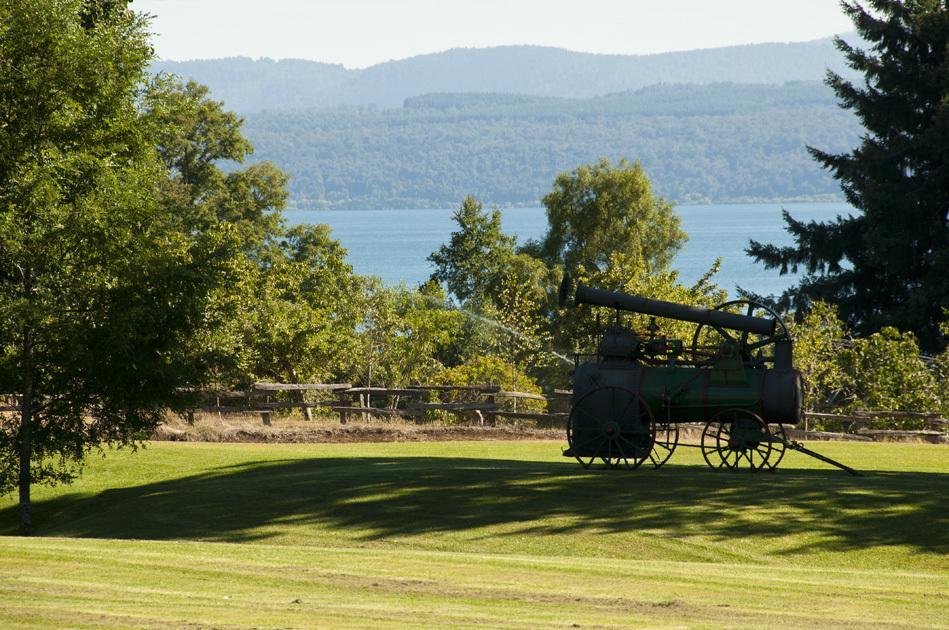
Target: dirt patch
298 433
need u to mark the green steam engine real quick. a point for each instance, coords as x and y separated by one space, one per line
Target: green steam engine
736 379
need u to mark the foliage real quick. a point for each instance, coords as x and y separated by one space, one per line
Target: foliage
490 370
473 262
293 317
598 210
518 305
886 265
493 370
100 289
608 230
817 342
502 291
301 312
194 136
405 334
884 372
881 372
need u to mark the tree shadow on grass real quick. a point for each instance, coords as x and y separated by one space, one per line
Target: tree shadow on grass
382 497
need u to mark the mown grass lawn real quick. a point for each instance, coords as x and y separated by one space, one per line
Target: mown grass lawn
480 533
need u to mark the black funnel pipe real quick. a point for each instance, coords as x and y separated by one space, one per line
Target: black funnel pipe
659 308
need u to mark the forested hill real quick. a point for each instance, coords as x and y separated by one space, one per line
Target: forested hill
721 142
247 85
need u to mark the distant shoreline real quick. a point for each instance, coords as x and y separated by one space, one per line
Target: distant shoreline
376 206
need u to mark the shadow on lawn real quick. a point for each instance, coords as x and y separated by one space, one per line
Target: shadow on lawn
403 496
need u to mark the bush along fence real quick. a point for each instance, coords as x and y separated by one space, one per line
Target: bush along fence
488 405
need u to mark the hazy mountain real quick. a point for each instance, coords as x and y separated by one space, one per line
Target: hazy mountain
247 85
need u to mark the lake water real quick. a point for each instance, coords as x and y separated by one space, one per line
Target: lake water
394 244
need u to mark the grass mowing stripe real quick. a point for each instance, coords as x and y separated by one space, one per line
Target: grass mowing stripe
483 590
494 534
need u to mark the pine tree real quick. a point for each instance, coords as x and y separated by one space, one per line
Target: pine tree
888 264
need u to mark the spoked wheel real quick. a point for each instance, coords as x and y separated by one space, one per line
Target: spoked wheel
754 348
667 438
736 439
779 441
612 424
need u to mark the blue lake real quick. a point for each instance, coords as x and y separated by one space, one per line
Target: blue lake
394 244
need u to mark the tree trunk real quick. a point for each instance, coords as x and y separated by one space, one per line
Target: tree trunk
25 434
25 437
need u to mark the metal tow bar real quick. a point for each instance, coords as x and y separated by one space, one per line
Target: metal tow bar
797 446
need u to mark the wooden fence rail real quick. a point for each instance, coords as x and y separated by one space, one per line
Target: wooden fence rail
414 401
409 402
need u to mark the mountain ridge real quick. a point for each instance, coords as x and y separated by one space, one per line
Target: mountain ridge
251 85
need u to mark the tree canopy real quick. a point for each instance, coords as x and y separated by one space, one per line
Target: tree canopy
887 265
473 260
599 210
101 290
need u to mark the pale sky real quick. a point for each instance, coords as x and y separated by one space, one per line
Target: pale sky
359 33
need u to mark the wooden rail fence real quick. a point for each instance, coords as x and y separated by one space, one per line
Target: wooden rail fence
485 404
482 404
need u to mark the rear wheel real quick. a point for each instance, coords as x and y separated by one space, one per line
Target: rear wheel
736 439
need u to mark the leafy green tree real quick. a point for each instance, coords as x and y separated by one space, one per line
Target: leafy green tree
302 311
195 135
100 289
608 230
503 292
818 339
885 372
888 265
881 372
598 210
293 316
405 333
474 258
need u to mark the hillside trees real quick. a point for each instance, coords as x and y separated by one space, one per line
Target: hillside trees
101 290
724 142
888 265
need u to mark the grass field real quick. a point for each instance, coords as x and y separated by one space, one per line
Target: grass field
480 533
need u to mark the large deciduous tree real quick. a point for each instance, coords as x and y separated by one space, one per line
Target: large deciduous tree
194 136
888 265
599 210
100 288
293 315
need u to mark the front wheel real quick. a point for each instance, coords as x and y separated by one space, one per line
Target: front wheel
612 424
